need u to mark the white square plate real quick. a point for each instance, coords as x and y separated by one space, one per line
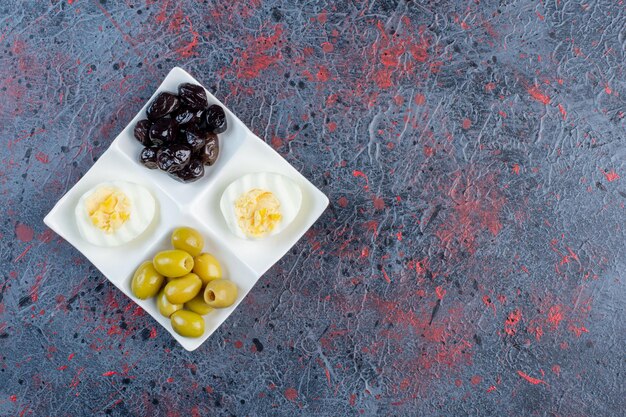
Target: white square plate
195 204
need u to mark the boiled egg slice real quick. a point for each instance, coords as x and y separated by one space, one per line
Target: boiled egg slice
259 205
114 213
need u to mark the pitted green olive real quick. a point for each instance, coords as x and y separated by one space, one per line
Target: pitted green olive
181 290
146 281
187 323
197 305
188 239
220 293
207 267
173 263
165 307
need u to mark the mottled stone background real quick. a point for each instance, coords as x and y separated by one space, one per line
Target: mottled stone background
471 261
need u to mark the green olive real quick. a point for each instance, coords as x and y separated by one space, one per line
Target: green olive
181 290
187 323
197 305
173 263
165 307
220 293
146 281
188 239
207 267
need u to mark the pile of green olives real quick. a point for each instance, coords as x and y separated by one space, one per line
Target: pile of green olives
186 282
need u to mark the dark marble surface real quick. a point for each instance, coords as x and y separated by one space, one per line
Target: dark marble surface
471 261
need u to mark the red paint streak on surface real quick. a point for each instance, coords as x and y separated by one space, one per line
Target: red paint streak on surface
76 380
24 232
153 333
441 292
491 388
343 202
187 50
291 394
578 330
356 173
238 344
379 203
611 175
467 123
487 301
42 157
162 16
476 379
510 325
607 89
556 369
21 255
352 400
538 95
109 373
386 277
563 111
516 169
555 316
322 17
332 126
257 56
530 379
323 74
13 398
328 376
419 99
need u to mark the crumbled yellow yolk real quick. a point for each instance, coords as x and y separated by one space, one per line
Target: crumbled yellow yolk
258 212
108 209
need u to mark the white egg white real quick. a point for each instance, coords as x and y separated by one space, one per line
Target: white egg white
142 213
284 189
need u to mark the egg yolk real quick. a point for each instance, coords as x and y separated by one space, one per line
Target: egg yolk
258 212
108 209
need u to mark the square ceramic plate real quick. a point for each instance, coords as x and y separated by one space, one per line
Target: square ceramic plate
195 205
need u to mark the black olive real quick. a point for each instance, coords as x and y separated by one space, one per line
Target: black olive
162 131
192 172
193 137
141 132
186 116
209 153
163 104
193 96
173 157
215 119
148 157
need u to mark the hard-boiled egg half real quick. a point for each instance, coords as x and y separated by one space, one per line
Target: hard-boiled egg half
259 205
114 213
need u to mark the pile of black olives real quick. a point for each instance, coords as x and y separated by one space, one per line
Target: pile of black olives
180 133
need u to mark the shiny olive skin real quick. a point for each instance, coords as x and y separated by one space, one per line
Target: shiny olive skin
181 290
188 239
197 305
173 263
165 307
146 281
187 323
207 267
220 293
